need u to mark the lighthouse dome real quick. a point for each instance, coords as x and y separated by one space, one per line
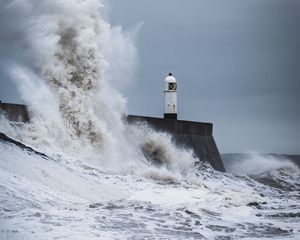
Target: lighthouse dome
170 83
170 78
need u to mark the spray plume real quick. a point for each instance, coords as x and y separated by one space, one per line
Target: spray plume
72 61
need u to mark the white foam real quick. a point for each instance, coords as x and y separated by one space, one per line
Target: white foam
256 163
97 182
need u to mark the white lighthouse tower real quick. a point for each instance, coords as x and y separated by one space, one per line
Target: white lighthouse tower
170 97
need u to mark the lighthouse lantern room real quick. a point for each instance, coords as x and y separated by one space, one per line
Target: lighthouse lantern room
170 97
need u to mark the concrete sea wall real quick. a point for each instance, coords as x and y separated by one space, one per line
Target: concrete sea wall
14 112
195 135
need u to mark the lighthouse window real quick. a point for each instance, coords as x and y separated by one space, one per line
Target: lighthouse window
172 86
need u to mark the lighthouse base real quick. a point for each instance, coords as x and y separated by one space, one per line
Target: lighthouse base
170 115
197 136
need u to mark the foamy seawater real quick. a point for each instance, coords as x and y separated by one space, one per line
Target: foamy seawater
94 176
49 198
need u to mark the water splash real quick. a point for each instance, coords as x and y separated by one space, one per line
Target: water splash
104 178
69 84
256 164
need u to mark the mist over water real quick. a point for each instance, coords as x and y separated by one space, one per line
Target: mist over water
67 84
102 178
255 164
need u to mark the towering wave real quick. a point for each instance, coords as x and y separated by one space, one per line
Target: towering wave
67 81
65 59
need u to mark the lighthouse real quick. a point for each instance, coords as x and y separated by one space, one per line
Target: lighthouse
170 97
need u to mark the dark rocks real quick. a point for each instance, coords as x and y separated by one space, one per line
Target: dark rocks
5 138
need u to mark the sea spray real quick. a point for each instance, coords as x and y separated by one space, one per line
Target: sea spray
256 164
103 178
68 82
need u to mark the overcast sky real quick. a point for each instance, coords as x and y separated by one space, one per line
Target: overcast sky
237 63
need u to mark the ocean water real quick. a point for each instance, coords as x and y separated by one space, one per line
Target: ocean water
94 181
65 198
